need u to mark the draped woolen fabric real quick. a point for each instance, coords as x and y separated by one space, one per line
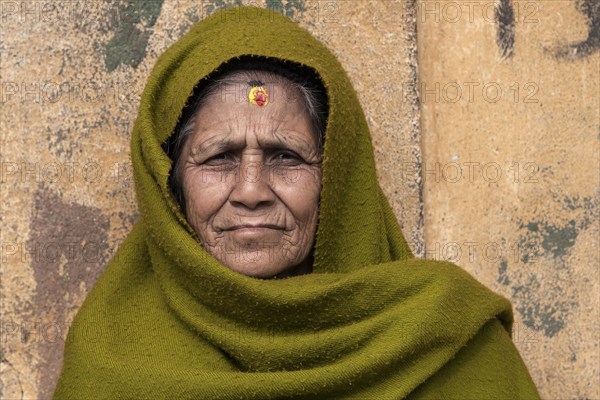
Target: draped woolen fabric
167 320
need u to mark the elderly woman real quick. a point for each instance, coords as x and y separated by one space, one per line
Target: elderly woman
247 170
267 263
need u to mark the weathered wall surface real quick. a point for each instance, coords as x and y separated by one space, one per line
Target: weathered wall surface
71 76
510 127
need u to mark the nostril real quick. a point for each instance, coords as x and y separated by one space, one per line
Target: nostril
250 202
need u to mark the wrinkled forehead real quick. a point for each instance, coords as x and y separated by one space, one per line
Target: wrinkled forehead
228 112
260 89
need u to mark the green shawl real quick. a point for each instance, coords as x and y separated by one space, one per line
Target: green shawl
167 320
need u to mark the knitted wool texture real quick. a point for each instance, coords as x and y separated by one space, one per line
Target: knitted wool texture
167 320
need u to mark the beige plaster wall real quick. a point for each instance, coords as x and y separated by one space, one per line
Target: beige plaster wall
70 78
510 165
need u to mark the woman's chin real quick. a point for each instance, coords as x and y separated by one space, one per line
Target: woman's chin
259 253
265 266
261 269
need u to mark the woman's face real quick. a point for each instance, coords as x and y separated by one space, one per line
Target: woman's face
251 178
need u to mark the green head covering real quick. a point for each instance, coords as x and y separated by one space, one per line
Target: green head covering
167 320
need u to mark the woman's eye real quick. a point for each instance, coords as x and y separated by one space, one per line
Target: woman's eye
218 159
287 157
222 161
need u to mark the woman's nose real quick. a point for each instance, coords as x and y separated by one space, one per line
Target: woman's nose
252 187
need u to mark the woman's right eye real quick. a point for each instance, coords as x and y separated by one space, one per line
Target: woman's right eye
218 158
221 161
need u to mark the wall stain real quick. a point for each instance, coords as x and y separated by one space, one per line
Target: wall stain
58 142
505 36
591 11
289 8
69 248
505 20
128 44
196 13
216 5
543 238
503 278
536 313
549 242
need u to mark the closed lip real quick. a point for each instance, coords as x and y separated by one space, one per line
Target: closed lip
253 226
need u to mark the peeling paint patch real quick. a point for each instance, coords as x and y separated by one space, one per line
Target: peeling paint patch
589 205
289 8
68 244
133 29
502 274
59 144
195 13
552 239
538 314
543 238
545 301
216 5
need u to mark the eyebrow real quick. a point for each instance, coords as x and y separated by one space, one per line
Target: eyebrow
216 145
288 143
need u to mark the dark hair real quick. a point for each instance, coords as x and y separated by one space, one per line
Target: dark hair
304 79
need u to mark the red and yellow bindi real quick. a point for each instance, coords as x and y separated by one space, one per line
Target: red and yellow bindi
258 94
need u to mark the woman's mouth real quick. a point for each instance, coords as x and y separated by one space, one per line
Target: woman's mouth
253 227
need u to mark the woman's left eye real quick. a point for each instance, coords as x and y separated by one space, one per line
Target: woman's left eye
287 157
